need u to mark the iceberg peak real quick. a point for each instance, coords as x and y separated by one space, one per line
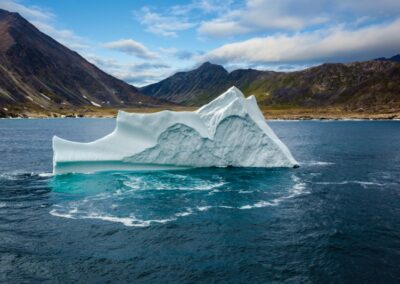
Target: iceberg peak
228 131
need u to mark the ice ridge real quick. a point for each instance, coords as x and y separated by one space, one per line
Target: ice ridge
228 131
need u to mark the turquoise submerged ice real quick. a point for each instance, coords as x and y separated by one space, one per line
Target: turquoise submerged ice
228 131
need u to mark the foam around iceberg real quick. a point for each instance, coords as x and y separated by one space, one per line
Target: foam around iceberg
228 131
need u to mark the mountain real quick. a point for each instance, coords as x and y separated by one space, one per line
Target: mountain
368 85
200 85
395 58
37 72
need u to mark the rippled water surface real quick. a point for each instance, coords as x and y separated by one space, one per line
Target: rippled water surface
334 219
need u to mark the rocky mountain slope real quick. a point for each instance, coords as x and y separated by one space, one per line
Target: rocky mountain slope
37 72
395 58
360 85
200 85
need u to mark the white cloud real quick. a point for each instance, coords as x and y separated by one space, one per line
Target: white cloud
165 25
180 54
131 47
141 77
65 36
334 44
178 18
101 62
294 15
136 73
222 28
262 15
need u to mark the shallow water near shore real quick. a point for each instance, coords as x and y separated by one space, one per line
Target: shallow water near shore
334 219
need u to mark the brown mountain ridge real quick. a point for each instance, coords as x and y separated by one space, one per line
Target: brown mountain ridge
371 85
37 72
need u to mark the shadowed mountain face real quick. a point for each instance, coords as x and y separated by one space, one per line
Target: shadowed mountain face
395 58
368 85
40 73
199 86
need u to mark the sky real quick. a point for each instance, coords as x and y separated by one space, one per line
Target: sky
142 42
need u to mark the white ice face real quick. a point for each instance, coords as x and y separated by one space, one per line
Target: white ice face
229 131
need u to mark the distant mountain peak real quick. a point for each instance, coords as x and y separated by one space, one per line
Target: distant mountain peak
199 85
11 15
209 65
358 85
5 12
42 74
395 58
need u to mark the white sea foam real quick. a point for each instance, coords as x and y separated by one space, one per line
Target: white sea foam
45 174
129 221
92 207
7 176
362 183
185 213
245 191
260 204
57 213
297 189
317 163
203 208
3 204
206 208
169 182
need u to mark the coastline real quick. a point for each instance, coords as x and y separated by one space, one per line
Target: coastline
277 114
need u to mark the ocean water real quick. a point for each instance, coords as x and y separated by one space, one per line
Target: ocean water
334 219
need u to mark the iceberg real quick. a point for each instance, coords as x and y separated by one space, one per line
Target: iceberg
229 131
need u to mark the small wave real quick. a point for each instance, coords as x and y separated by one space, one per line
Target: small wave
260 204
3 204
297 189
68 215
129 221
192 184
111 206
45 174
10 176
206 208
185 213
245 191
203 208
362 183
318 163
208 187
225 206
20 175
131 185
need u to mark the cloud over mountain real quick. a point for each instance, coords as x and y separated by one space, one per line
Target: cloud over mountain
339 43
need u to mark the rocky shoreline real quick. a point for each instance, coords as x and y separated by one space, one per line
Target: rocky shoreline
271 114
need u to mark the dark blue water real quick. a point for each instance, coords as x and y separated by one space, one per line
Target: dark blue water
335 219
